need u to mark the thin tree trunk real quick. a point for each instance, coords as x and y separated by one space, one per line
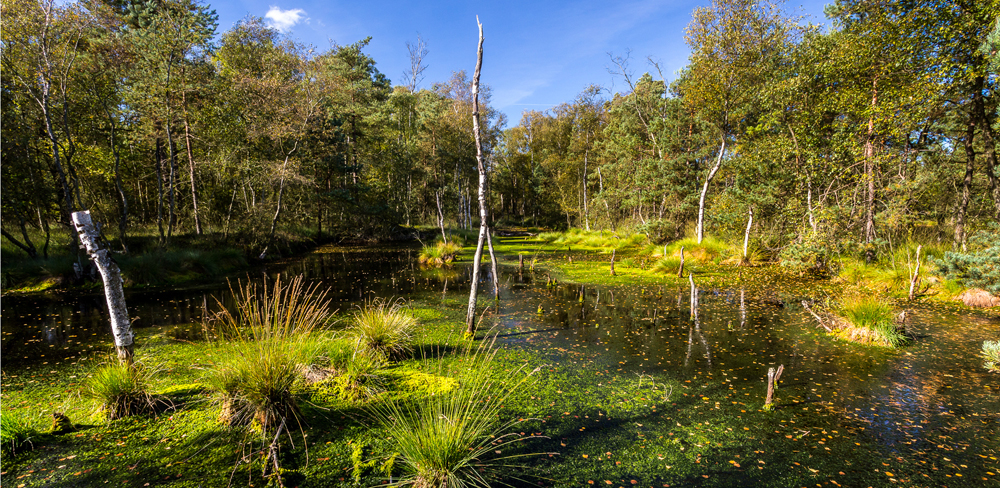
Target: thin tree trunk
159 190
119 189
470 326
190 155
992 165
746 236
966 195
437 195
869 157
586 209
121 325
704 191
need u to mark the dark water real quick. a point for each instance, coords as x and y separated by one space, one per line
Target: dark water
931 395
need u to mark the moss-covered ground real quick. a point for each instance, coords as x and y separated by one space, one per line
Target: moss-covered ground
601 422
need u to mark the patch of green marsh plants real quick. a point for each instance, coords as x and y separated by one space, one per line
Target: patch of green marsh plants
121 389
275 337
440 254
16 432
991 355
869 319
383 329
454 438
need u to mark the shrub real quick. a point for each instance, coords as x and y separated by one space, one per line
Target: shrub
979 267
121 389
384 329
15 432
667 265
449 439
661 231
991 355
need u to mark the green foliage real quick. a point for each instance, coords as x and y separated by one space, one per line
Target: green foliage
811 254
991 355
16 432
661 231
449 439
121 389
383 329
979 267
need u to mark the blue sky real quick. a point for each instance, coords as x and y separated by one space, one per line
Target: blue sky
537 54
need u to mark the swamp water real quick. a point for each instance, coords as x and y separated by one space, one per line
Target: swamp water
927 414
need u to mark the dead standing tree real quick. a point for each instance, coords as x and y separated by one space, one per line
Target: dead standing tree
121 325
470 318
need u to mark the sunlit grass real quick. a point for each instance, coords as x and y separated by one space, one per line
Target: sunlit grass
455 438
592 239
440 254
383 329
869 320
274 331
121 389
16 432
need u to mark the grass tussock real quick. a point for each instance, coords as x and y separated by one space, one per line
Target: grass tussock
121 390
440 254
869 320
384 329
16 432
991 355
454 439
260 377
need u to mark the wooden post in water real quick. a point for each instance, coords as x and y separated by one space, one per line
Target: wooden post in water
914 282
770 388
121 325
613 262
680 271
520 263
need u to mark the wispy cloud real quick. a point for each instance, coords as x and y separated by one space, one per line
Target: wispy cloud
284 20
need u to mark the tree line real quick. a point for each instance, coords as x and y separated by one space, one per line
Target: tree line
879 128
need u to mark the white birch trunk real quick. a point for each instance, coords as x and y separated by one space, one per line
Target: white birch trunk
121 325
746 236
470 318
704 191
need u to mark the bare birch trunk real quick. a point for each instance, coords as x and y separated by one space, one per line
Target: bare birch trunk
746 235
914 282
444 237
704 191
470 318
121 325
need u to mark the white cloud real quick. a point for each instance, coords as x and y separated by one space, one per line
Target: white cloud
283 20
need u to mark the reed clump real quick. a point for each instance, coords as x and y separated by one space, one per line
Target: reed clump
16 432
121 389
454 438
868 319
383 329
275 336
441 253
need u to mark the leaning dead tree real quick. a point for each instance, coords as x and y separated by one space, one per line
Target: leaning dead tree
121 325
484 216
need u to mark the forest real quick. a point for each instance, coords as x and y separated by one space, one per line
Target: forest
879 129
